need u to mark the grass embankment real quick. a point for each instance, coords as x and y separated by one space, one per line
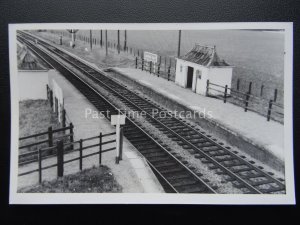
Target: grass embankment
96 56
35 116
94 180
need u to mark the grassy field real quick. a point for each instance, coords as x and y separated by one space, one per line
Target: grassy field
35 116
94 180
258 56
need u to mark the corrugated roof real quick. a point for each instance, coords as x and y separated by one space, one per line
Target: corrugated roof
205 56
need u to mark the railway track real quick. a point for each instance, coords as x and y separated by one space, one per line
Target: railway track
219 158
172 173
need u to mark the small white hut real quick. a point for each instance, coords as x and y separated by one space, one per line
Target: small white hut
199 65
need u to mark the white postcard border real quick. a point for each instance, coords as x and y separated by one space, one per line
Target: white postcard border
145 198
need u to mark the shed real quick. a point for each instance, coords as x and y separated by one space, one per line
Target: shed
32 75
200 64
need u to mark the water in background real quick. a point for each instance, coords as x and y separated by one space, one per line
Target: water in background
258 56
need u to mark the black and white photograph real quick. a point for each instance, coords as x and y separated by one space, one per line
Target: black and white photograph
181 113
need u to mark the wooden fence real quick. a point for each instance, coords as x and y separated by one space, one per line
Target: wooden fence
31 156
60 151
65 119
155 68
166 68
259 88
262 106
165 62
50 135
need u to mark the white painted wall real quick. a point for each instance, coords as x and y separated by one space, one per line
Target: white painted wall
32 84
181 77
57 93
200 85
218 75
221 76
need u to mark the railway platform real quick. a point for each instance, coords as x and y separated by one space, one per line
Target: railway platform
248 131
132 173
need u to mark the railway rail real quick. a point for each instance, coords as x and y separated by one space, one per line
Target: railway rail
173 174
218 157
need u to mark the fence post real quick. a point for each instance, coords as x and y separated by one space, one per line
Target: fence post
169 73
136 62
71 135
165 63
40 165
225 93
250 88
56 106
80 154
91 40
50 136
51 98
121 143
238 84
207 87
142 64
269 110
47 88
261 90
275 95
125 41
60 158
247 102
100 148
118 46
64 118
150 69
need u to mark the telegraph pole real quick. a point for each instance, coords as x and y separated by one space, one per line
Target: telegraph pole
118 41
101 38
125 41
91 39
106 42
179 42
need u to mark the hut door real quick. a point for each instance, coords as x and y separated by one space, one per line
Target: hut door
190 72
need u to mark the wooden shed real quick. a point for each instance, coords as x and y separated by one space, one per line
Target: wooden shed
200 64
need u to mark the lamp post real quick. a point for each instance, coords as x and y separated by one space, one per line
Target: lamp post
72 32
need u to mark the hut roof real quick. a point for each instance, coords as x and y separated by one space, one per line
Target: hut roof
205 56
26 61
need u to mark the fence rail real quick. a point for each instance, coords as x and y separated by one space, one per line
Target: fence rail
166 68
51 134
249 102
31 156
165 61
60 152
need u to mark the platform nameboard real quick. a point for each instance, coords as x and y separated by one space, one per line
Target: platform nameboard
148 56
118 119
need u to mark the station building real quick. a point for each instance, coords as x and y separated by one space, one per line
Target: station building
200 64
